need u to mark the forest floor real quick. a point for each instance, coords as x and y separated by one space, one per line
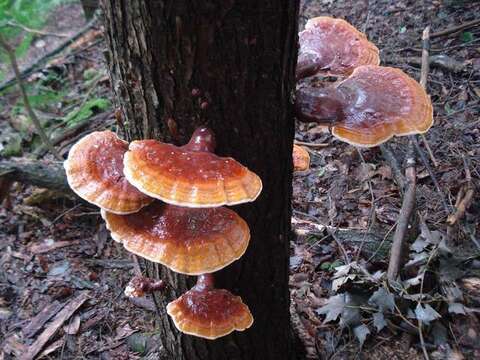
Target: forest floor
56 255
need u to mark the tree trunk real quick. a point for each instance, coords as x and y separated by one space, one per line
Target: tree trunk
229 65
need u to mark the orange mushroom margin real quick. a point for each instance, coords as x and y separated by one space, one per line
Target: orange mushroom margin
190 178
209 313
186 240
368 108
197 239
330 46
94 169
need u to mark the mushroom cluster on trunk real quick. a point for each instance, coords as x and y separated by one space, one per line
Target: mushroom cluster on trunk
368 104
165 203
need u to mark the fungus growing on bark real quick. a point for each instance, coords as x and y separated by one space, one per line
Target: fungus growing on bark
369 107
331 46
301 159
140 286
209 313
94 170
186 240
189 175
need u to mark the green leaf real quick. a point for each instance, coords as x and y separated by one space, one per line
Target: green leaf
426 313
361 333
466 36
382 299
379 321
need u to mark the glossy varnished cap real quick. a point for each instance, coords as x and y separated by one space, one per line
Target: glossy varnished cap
301 159
331 46
384 102
372 105
186 240
94 169
189 175
209 313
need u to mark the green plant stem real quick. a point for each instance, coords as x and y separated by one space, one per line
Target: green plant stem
13 60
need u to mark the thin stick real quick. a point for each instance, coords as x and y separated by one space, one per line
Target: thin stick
456 28
312 145
13 60
34 31
408 205
423 82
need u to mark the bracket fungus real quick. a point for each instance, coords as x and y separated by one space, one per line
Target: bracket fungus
190 175
372 105
301 158
209 313
186 240
94 169
331 46
197 239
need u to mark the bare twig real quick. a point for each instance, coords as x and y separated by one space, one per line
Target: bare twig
34 31
312 145
408 205
423 81
13 60
455 29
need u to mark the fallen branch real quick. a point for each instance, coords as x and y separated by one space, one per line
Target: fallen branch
406 211
48 175
455 29
409 198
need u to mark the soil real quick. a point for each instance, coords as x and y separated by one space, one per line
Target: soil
54 247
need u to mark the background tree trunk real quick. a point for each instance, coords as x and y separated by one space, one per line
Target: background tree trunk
229 65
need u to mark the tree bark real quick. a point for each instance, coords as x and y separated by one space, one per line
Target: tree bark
229 65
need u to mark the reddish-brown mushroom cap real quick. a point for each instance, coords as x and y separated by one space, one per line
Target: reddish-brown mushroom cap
301 158
372 105
94 170
331 46
190 175
189 241
209 313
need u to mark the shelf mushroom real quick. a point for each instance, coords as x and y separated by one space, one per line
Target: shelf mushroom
94 170
190 175
301 159
209 313
188 241
331 46
372 105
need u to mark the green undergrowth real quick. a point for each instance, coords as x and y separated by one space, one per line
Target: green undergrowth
18 15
